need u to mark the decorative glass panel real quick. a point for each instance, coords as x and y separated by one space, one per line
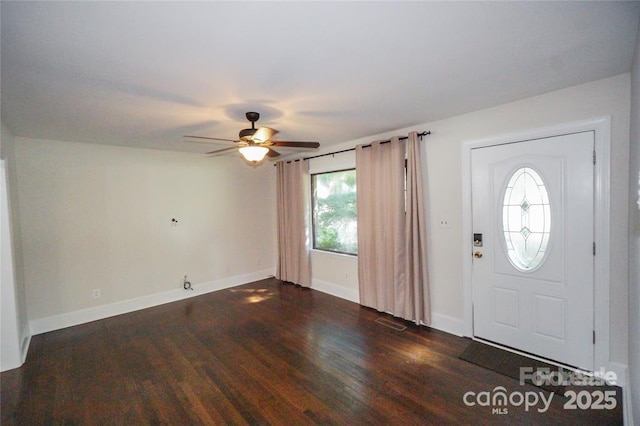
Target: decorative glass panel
526 219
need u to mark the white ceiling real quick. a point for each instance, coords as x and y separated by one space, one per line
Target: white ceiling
145 73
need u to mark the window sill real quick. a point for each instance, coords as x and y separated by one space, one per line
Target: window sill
332 253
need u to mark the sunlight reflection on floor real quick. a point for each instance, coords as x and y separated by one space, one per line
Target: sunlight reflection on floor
255 295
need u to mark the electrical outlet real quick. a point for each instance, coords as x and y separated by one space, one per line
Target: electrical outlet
444 223
96 293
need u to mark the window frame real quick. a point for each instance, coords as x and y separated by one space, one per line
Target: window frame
313 215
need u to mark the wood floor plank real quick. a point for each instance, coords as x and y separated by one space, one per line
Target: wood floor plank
263 353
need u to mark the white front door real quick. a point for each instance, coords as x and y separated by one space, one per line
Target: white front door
534 245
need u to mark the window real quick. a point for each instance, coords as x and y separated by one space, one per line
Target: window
335 226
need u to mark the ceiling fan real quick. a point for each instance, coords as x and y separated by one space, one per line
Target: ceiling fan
254 144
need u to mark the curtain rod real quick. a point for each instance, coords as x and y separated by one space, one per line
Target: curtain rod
420 135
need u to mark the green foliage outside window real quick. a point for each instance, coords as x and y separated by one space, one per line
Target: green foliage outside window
334 212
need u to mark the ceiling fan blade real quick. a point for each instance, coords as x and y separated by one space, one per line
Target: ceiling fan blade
263 134
220 151
210 143
296 144
211 139
273 153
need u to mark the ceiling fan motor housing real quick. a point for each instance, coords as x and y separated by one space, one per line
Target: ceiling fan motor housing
246 134
253 117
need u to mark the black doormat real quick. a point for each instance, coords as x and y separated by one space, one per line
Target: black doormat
537 373
562 382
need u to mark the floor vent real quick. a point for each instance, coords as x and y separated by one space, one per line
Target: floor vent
391 324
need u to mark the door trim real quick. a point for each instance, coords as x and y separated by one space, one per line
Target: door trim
602 134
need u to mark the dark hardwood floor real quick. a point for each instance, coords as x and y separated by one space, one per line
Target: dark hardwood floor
262 353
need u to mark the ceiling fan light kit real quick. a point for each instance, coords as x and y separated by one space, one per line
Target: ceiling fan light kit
254 153
254 144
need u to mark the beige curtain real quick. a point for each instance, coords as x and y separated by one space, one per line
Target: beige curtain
392 262
294 264
416 297
381 224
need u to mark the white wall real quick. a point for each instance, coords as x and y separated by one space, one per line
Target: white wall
99 217
608 97
14 334
634 237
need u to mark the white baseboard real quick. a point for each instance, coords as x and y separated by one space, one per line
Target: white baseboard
69 319
447 324
342 292
438 321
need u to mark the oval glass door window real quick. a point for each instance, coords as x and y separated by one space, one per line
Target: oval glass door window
526 219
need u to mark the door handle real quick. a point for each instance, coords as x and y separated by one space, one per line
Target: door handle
477 254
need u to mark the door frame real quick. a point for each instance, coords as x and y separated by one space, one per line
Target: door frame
601 127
